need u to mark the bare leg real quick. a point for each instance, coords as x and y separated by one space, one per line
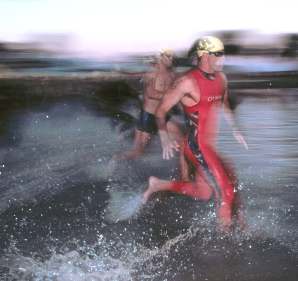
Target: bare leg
141 140
184 165
174 131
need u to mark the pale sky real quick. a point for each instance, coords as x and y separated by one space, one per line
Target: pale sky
111 26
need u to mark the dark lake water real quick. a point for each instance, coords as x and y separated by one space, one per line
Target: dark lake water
57 179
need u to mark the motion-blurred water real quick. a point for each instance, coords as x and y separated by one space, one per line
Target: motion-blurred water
56 182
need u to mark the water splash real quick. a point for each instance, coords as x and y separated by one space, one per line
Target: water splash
52 149
70 266
123 205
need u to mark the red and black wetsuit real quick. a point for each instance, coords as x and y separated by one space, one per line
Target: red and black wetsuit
212 177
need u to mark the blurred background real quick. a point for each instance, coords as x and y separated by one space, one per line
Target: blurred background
62 37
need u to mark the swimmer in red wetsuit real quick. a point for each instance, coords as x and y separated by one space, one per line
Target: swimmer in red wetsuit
201 91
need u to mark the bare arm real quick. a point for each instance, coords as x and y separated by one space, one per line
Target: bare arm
132 74
129 73
228 113
173 96
229 116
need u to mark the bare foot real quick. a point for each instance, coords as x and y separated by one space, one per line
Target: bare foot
154 185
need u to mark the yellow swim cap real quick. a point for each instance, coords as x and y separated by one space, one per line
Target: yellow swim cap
208 44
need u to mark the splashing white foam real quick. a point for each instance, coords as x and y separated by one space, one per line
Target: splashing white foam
70 266
123 205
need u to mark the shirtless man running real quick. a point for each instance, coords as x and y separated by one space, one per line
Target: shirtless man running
156 83
201 92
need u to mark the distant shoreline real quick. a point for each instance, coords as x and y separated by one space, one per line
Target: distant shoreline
16 85
96 75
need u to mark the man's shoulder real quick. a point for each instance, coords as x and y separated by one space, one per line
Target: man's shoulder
184 81
223 77
187 75
182 78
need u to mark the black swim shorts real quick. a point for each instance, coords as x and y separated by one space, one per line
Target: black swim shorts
147 122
